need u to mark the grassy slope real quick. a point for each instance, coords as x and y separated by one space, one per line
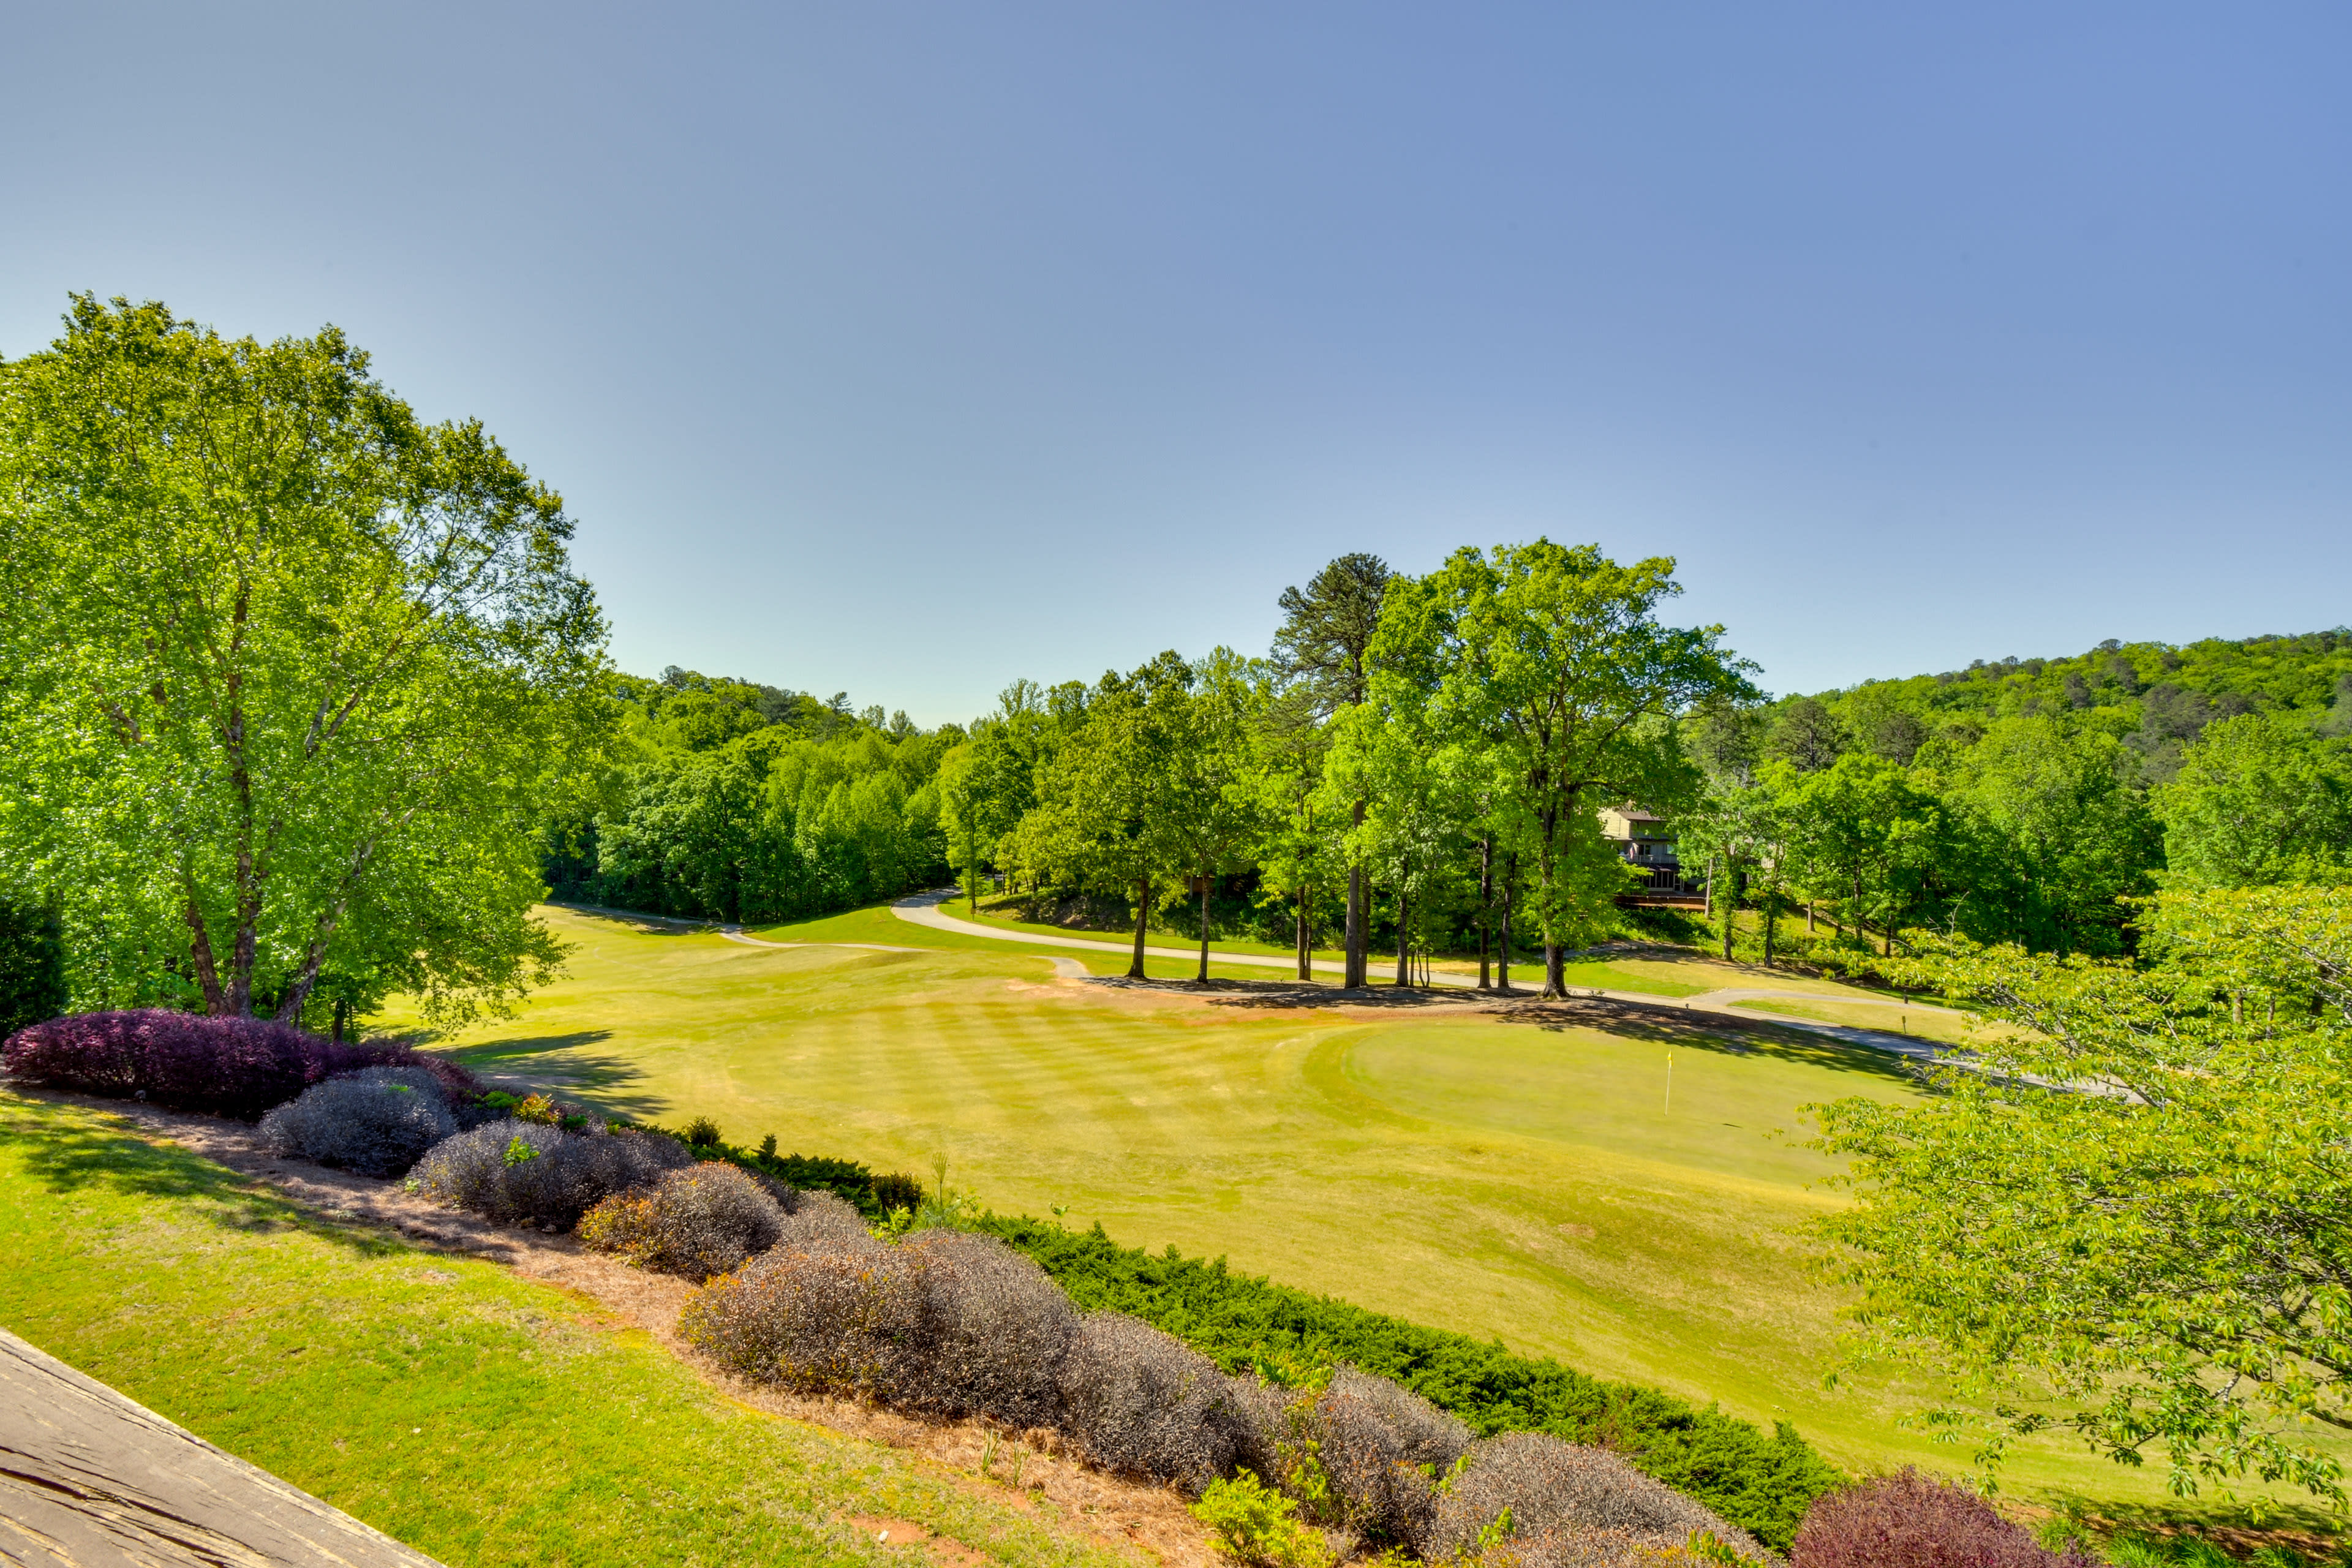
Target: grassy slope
481 1419
1495 1178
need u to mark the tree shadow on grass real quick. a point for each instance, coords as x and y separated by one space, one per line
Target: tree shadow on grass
560 1062
1693 1029
1267 993
73 1156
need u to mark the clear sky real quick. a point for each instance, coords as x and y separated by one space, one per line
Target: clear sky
906 348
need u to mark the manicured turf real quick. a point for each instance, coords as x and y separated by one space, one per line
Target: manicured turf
481 1419
1497 1178
1922 1023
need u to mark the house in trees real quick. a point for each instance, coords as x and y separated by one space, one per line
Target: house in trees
1646 843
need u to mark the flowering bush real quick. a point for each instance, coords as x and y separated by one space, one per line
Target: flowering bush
237 1067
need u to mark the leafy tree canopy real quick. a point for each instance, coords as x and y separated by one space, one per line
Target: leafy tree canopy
2130 1218
292 672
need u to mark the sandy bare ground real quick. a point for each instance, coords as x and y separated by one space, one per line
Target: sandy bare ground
1030 1471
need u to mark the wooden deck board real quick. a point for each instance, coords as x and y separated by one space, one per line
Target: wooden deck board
88 1476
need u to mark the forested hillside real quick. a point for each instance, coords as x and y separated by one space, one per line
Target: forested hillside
2018 799
746 802
2022 799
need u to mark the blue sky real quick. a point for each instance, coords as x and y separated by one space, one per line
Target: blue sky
908 348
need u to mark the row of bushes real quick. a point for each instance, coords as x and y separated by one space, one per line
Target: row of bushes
1764 1483
1161 1368
955 1324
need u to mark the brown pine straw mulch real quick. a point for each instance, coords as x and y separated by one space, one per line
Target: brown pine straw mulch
1149 1522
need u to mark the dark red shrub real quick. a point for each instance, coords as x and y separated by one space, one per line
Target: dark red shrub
237 1066
1910 1520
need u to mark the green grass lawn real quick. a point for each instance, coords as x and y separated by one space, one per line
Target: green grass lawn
482 1418
1922 1023
1497 1178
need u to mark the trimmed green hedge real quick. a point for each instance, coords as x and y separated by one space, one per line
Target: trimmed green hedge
1760 1482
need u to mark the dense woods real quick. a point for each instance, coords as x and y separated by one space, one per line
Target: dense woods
1418 763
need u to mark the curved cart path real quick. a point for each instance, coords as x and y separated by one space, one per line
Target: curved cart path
926 910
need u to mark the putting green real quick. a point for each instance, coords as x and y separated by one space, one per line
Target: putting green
1499 1177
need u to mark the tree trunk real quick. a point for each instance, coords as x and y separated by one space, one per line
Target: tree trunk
1555 969
200 949
1306 948
1486 905
1142 913
1730 903
1357 953
1203 976
342 1018
1772 901
1808 917
1503 954
1404 951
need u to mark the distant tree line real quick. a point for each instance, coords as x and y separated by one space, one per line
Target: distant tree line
2029 801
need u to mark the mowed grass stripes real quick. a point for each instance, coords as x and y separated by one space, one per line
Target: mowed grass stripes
1496 1177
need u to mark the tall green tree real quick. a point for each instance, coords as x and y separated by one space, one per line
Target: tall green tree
2076 841
2259 800
2127 1218
1864 836
1301 849
1106 813
1554 659
288 663
1216 806
1324 648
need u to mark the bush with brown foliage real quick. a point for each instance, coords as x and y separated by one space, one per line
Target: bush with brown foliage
840 1318
1559 1494
527 1171
697 1222
378 1122
998 1331
1382 1449
1911 1521
1143 1404
189 1061
819 1220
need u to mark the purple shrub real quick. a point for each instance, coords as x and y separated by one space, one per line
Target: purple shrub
1910 1520
998 1328
188 1061
543 1175
376 1122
